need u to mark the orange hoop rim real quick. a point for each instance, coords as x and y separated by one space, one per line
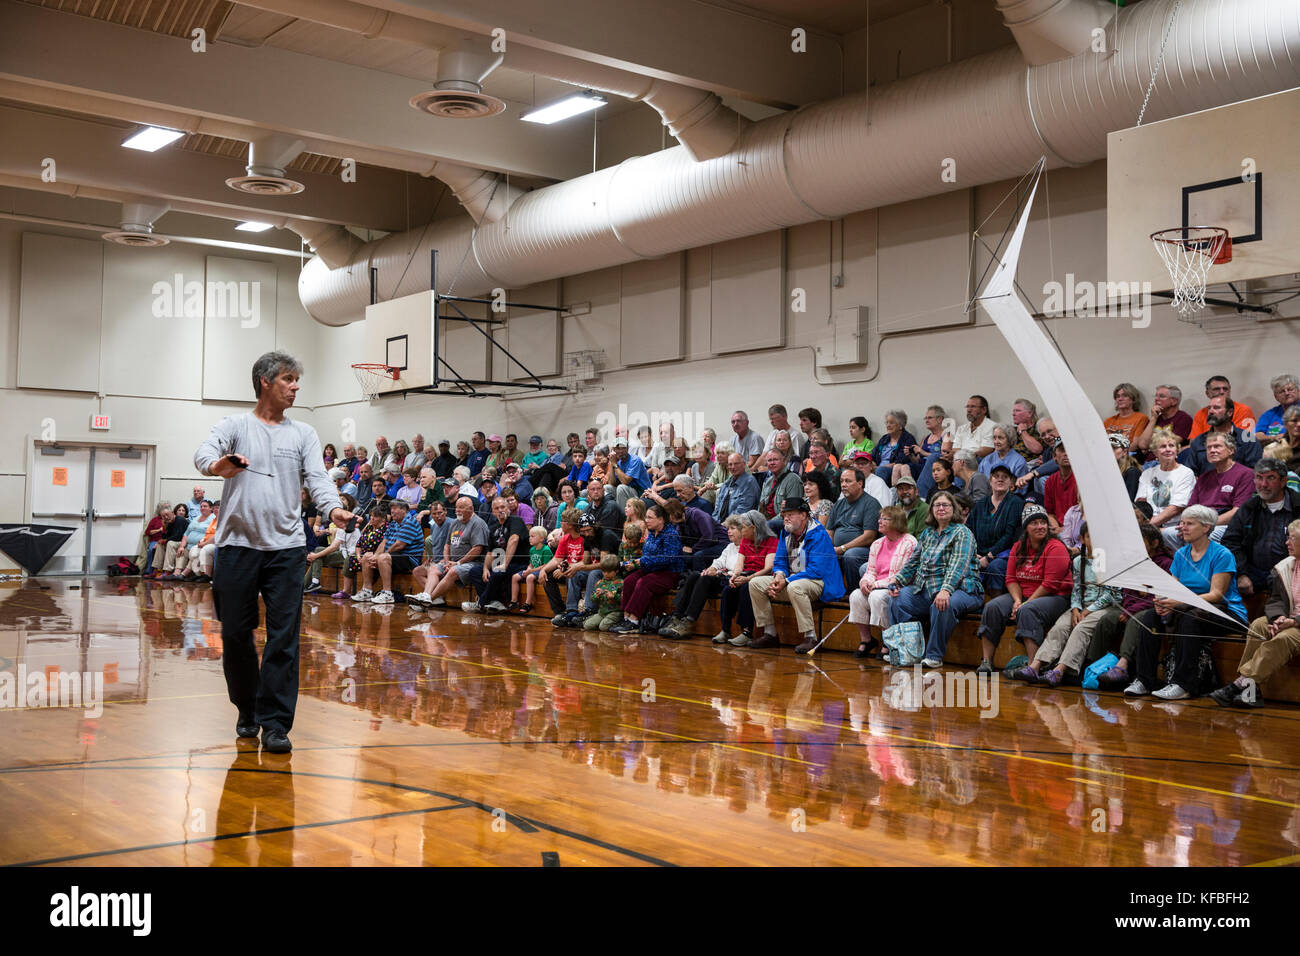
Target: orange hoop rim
1216 245
377 368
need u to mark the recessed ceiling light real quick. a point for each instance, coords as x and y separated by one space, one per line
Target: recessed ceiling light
253 226
563 109
152 138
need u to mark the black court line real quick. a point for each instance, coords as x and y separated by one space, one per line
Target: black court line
96 854
523 824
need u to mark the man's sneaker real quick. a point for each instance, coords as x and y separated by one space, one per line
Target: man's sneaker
383 597
743 639
1172 692
495 606
365 594
574 619
1136 689
436 602
1227 695
1249 696
558 620
312 588
419 599
276 741
471 607
722 637
931 662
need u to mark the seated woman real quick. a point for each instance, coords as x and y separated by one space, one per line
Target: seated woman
758 553
1168 486
1038 589
1123 627
869 602
1129 469
820 496
660 565
400 452
1128 420
783 443
859 438
1004 453
570 497
995 522
1274 638
941 579
707 474
1210 571
698 586
920 457
546 513
1074 632
890 455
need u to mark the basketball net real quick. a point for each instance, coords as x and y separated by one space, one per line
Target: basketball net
373 378
1188 252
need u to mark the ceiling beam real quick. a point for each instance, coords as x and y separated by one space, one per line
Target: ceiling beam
696 44
272 89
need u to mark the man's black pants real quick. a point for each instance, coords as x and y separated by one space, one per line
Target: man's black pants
270 694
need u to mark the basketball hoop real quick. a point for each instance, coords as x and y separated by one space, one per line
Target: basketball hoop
372 377
1188 252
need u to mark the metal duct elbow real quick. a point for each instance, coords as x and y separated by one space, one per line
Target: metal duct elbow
1051 30
333 244
707 128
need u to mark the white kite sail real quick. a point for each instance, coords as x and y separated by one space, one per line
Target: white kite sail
1121 555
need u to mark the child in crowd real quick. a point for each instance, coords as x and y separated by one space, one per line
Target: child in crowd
569 550
538 556
607 599
371 537
635 512
629 552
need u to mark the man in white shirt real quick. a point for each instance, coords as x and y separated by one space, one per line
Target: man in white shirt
874 485
977 434
747 442
780 420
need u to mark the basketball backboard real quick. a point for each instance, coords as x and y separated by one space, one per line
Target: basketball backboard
1234 166
399 332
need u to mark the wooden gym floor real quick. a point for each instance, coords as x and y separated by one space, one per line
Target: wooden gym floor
452 739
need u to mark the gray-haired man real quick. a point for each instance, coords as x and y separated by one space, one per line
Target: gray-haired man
265 459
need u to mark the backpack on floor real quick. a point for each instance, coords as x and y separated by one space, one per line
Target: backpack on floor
1093 672
906 643
123 566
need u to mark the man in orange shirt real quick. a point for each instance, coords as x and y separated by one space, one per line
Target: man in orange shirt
1242 415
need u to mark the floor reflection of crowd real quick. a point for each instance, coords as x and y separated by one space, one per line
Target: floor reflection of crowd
761 737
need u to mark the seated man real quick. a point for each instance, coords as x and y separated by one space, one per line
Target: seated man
1225 486
1218 386
629 475
1286 392
975 484
1257 535
439 527
780 484
1274 638
577 562
854 523
1247 450
909 499
462 556
1061 490
872 483
662 489
805 569
607 513
684 489
399 554
739 493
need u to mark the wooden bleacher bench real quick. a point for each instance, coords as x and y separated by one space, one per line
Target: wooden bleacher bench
963 648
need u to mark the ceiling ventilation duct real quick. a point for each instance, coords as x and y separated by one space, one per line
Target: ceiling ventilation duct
1051 30
137 226
458 92
268 156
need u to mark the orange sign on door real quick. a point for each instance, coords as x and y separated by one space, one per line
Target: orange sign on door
117 479
60 476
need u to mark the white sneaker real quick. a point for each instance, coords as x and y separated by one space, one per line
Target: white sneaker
1172 692
931 662
383 597
436 602
1136 689
471 607
419 599
496 606
365 594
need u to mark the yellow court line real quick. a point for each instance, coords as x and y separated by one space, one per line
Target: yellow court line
1119 774
1257 759
1280 861
696 740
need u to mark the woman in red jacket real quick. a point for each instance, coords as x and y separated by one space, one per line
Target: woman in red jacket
1038 588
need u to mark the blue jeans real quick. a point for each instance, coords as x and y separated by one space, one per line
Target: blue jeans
994 577
914 605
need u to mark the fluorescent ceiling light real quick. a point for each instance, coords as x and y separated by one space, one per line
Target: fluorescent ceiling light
152 138
253 226
563 109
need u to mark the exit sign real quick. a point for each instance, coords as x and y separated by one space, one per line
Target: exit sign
100 422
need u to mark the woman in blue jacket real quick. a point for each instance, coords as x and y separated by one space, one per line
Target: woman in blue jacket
657 571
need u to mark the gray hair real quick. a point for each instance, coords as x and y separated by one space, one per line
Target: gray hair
684 480
271 366
723 450
899 414
1028 406
1225 437
1201 514
1286 379
759 523
428 469
337 473
1274 465
601 449
162 506
1291 414
1174 391
1007 433
460 473
967 456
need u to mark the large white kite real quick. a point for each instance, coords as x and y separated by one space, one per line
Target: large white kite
1121 555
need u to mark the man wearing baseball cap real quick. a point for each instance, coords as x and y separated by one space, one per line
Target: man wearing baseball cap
910 500
536 457
443 464
806 568
627 472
